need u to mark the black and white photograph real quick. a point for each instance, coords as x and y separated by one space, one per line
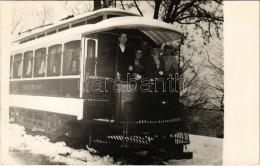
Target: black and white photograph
111 82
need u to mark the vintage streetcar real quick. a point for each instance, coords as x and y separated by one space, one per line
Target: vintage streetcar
54 69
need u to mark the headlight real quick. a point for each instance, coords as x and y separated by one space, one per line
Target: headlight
163 102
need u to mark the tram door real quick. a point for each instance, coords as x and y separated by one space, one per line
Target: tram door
99 76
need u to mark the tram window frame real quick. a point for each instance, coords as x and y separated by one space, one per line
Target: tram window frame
18 66
64 28
51 32
11 67
76 24
40 66
112 16
67 69
55 56
95 20
90 58
27 67
40 35
93 46
30 39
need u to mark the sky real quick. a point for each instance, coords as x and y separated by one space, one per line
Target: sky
29 9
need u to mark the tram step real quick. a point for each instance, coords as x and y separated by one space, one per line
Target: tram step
166 155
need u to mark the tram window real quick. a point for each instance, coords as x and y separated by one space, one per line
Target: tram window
11 67
95 20
71 57
54 60
63 28
41 35
30 39
51 32
78 24
40 62
18 66
91 51
27 64
23 41
112 15
106 45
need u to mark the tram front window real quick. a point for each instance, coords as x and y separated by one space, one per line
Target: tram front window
91 51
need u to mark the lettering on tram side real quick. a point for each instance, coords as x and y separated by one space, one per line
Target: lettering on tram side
32 87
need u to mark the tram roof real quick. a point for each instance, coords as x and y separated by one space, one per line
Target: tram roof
158 31
99 12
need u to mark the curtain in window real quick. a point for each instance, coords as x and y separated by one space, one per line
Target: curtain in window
40 62
17 71
27 70
54 60
71 57
11 67
42 69
20 69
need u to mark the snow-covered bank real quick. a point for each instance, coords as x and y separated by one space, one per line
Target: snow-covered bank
57 152
206 150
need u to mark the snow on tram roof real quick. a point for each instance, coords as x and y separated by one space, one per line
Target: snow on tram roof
74 19
160 32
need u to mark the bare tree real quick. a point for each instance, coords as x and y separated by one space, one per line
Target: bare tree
97 5
39 18
137 7
202 70
192 92
215 81
45 15
192 12
104 4
78 7
17 19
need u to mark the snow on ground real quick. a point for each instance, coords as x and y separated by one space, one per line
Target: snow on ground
206 150
57 152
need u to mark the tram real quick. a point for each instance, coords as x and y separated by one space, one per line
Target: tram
53 68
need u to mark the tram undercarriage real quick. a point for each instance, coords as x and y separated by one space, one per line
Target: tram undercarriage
165 137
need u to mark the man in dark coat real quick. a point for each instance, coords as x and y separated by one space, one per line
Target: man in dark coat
145 48
124 58
153 67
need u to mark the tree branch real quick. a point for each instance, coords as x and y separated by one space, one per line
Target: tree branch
121 1
136 5
156 8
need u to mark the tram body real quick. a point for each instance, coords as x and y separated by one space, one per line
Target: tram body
52 71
